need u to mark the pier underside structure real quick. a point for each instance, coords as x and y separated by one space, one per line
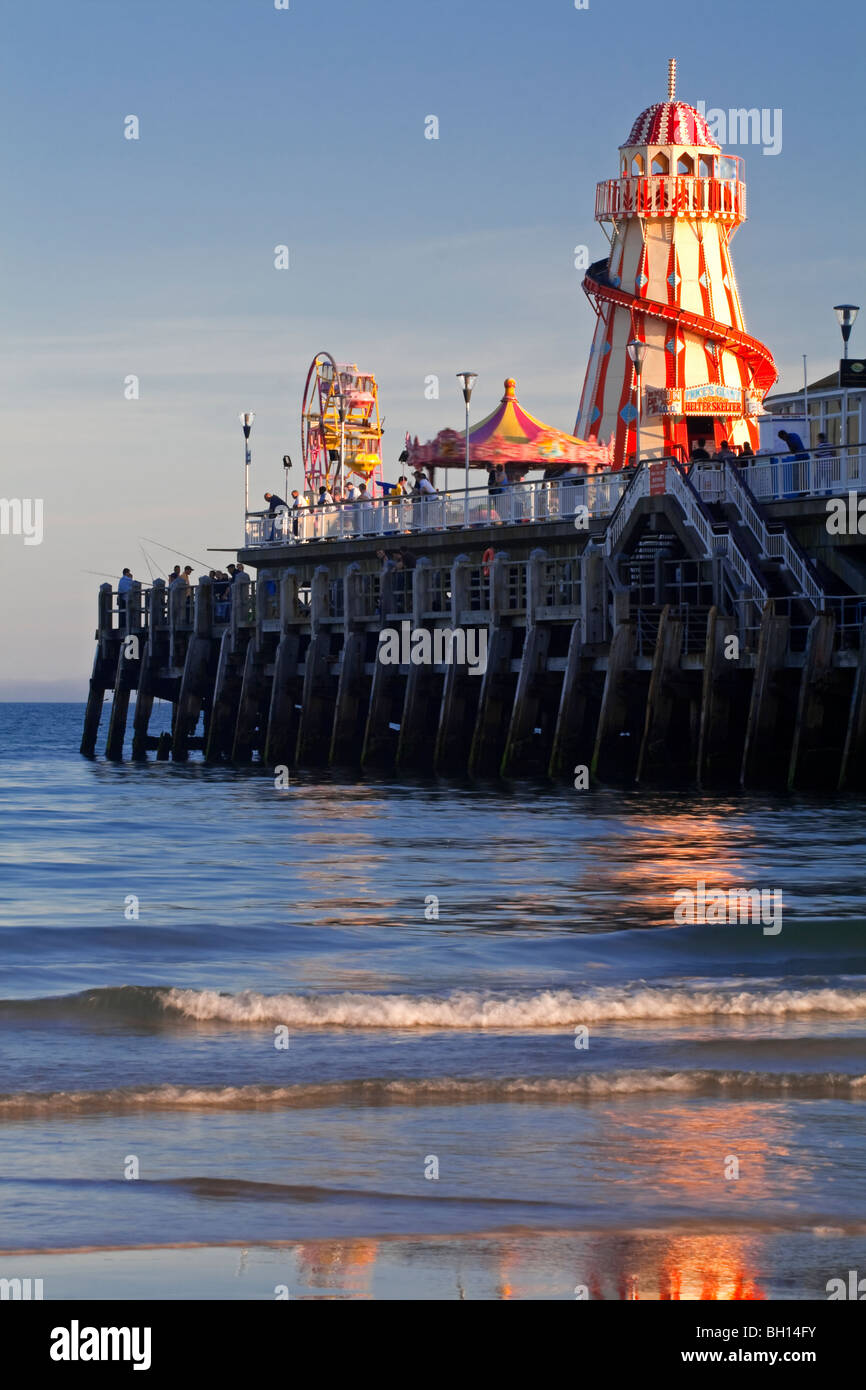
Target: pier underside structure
682 637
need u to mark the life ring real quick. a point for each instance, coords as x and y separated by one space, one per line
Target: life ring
487 560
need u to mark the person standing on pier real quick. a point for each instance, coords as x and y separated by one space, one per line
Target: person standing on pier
124 588
794 443
276 506
421 494
297 506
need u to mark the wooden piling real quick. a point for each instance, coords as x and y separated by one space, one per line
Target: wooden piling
814 761
764 751
852 772
496 697
720 751
104 668
229 678
615 752
523 752
282 728
577 716
350 706
317 701
422 702
130 636
148 673
460 691
658 759
198 672
249 697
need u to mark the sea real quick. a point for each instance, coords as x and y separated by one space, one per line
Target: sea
420 1039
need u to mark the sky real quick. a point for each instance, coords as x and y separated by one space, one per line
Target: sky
305 127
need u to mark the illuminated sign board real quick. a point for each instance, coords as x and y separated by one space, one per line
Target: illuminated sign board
710 399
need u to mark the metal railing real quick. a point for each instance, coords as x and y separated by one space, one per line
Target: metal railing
831 468
514 505
715 541
775 544
670 195
849 611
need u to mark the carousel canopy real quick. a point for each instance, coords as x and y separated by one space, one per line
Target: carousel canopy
509 435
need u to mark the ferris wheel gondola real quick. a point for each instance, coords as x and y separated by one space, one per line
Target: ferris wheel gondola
341 432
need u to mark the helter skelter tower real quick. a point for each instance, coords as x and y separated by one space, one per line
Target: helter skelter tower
669 281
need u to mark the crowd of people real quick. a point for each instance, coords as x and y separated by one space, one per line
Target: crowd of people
223 581
792 445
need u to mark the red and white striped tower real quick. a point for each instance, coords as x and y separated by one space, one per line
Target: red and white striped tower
670 282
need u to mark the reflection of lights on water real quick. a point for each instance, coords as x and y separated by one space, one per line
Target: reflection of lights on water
658 856
705 1269
716 1267
343 1264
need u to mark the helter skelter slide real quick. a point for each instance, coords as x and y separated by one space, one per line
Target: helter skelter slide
669 281
341 433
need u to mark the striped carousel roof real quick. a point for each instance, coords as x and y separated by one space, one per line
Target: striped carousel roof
670 123
509 434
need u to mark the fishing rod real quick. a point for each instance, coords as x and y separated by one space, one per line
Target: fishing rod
146 560
174 550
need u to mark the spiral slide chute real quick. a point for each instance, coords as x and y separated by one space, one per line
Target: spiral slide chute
755 354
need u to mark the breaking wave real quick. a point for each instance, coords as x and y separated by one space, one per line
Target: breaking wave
462 1009
436 1091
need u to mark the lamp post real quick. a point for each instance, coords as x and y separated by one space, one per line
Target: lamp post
467 381
246 418
846 314
341 406
637 354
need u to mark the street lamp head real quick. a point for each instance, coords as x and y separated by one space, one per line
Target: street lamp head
467 381
637 353
287 460
246 418
846 314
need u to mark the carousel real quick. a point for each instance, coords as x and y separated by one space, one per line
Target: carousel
514 438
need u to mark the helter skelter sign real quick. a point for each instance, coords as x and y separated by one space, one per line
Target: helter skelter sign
711 399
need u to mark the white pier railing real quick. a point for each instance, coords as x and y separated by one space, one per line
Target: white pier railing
829 470
824 472
513 505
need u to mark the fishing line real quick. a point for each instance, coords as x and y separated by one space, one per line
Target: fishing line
174 550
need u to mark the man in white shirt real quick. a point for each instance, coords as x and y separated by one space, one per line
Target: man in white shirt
423 486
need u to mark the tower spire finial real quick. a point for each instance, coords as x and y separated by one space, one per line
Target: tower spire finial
672 78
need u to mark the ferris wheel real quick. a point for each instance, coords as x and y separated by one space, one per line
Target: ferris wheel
341 433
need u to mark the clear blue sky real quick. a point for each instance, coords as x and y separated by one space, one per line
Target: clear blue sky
409 256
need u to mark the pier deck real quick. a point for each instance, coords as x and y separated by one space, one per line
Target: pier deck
653 627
